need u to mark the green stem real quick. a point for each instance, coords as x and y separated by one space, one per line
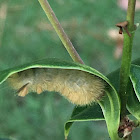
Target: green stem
131 14
60 32
126 57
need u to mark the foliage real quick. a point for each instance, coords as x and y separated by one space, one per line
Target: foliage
110 104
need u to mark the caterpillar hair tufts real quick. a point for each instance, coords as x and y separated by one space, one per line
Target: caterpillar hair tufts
79 87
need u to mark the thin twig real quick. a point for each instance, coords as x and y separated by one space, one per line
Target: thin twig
60 32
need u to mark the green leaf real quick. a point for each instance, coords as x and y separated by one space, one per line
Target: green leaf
110 104
110 107
111 110
136 62
50 63
87 113
133 103
135 78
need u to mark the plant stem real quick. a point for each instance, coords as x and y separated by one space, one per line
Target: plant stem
60 32
126 57
131 14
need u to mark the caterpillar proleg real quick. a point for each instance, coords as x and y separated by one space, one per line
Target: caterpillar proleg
77 86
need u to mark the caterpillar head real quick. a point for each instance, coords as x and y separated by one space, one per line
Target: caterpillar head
22 82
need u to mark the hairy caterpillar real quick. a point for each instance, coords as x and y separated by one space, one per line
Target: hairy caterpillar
77 86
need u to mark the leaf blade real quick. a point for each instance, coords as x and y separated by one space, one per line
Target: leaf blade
49 63
108 108
133 103
135 78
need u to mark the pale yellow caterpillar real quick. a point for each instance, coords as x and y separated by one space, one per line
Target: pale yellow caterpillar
77 86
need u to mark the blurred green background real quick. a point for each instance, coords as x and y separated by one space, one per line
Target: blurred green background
26 35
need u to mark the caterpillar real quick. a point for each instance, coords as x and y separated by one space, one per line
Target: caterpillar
79 87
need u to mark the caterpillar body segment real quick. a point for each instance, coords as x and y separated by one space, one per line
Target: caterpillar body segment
77 86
